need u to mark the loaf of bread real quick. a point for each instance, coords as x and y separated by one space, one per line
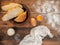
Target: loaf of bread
12 13
21 17
10 6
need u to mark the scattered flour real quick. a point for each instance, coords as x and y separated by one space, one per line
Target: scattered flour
37 6
52 15
51 10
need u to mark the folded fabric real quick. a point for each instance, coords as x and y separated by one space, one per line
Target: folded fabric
36 35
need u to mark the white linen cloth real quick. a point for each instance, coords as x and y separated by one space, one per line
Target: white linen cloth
36 35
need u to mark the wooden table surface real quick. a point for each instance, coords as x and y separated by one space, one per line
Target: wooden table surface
24 28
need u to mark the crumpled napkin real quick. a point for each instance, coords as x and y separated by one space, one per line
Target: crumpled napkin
36 35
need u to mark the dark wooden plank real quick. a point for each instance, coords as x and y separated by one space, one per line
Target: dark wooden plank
24 28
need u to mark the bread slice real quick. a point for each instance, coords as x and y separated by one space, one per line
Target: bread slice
21 17
10 6
12 13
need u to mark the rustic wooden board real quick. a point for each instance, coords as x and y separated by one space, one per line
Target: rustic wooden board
23 28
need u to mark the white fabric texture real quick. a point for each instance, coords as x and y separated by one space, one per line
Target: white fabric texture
36 35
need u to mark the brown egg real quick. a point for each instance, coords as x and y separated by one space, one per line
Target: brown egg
33 22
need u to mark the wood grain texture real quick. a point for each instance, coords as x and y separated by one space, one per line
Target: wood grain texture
24 28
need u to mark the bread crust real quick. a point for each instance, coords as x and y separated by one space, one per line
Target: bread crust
21 17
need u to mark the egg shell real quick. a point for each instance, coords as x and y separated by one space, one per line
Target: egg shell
33 22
